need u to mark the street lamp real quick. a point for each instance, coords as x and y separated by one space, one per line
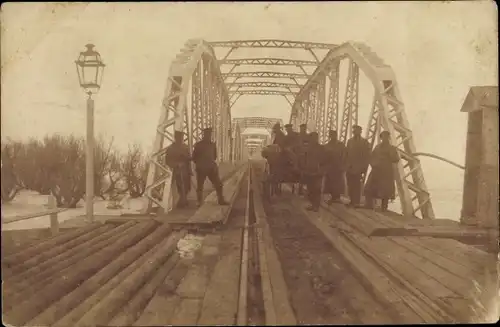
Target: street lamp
90 69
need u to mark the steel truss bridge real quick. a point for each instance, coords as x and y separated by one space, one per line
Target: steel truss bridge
202 88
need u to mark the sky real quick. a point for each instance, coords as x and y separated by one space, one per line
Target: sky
436 49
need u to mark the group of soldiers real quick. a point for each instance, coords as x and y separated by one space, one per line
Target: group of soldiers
178 158
334 160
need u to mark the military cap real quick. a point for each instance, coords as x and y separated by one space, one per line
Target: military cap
303 125
385 133
357 127
288 125
332 132
207 130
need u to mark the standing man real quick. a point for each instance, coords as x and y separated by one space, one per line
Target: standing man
380 183
315 160
204 156
303 141
291 143
178 158
357 160
334 181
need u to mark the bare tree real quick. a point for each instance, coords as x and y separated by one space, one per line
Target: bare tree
64 159
134 167
10 182
107 170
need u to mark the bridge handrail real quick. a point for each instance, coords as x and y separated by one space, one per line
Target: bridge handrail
434 156
52 213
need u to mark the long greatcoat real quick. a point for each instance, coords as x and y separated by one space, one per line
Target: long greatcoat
357 155
381 181
177 157
336 154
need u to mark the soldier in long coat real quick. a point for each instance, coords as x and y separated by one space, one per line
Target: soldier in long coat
178 158
314 169
357 160
303 141
204 156
334 178
381 181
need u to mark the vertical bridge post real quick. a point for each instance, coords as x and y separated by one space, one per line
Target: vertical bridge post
480 193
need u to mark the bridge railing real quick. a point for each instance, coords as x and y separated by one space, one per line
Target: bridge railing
52 212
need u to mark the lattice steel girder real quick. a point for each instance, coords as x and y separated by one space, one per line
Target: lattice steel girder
265 74
262 84
262 92
350 112
173 117
332 110
272 43
393 119
268 61
256 122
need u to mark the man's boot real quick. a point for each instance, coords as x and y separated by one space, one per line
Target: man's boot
199 196
220 198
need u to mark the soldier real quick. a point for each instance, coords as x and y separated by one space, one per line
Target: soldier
357 160
178 158
303 141
279 136
290 144
292 138
204 156
380 183
315 161
334 181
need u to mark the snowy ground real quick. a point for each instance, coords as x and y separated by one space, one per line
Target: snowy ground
28 202
446 203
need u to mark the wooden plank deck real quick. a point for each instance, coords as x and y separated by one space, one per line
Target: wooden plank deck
431 279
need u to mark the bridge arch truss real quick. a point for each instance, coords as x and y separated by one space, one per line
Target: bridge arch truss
199 94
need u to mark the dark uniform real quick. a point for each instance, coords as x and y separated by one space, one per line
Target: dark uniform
314 169
334 181
204 156
303 141
178 158
279 136
380 183
357 160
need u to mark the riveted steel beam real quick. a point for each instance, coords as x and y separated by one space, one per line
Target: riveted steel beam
268 62
272 43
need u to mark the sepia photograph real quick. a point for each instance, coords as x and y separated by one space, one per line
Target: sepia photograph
249 163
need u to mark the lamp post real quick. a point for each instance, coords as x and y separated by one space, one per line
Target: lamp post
90 69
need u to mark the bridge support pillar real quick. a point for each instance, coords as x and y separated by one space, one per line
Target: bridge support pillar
480 195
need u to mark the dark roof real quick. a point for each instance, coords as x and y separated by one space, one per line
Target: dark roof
481 97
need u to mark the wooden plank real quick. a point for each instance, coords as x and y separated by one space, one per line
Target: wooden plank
9 220
76 313
91 285
401 304
107 307
160 310
211 212
274 290
444 248
133 309
220 304
35 266
38 279
428 281
242 314
186 313
40 247
27 282
27 310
